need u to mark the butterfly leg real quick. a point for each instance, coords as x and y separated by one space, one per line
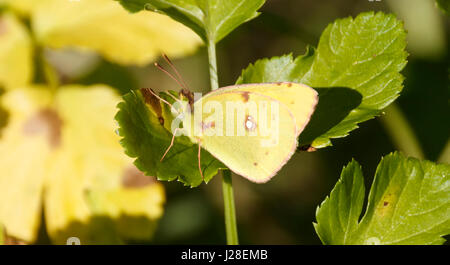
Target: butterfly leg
199 160
171 144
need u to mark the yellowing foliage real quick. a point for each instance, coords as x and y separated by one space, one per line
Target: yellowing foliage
104 26
60 154
15 53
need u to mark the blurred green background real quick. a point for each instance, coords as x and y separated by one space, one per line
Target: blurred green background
282 210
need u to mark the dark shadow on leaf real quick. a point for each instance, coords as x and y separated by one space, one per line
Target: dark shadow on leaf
335 103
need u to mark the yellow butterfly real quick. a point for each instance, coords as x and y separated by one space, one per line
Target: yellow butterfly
251 128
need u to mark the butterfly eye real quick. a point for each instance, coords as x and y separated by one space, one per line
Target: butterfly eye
250 123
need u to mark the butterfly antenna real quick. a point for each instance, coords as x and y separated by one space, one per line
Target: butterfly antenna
175 70
169 74
175 98
163 100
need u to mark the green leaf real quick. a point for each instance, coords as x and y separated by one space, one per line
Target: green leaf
409 203
444 5
211 19
145 138
356 70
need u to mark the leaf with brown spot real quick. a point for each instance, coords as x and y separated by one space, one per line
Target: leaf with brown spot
133 178
153 102
408 204
146 141
57 148
47 122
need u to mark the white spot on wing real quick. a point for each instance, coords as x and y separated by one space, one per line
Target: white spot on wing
250 123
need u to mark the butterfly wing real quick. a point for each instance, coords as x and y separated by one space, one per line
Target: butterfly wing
252 144
300 99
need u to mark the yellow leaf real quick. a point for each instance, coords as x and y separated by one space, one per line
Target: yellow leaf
16 53
104 26
23 152
128 206
58 150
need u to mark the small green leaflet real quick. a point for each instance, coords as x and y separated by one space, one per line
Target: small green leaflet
212 20
409 203
146 139
363 55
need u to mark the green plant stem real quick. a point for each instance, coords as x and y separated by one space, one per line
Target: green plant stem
227 187
213 65
230 215
401 132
